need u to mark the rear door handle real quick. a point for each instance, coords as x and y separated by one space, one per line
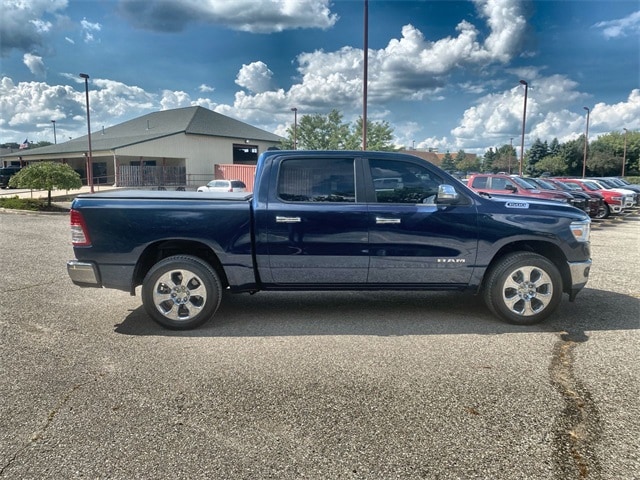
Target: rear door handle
280 219
387 221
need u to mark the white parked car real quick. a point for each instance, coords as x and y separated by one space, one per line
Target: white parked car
224 186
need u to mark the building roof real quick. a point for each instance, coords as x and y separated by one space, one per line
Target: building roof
189 120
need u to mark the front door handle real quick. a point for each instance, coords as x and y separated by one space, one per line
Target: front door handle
280 219
387 221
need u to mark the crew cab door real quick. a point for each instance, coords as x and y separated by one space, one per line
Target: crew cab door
413 239
313 229
495 185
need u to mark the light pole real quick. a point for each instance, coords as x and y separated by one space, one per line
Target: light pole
586 143
624 153
524 119
90 156
295 128
365 74
55 140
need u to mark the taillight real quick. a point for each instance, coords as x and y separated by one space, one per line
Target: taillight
79 234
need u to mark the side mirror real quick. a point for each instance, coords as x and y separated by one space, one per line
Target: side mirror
510 187
447 194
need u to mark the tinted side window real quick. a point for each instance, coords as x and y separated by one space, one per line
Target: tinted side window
403 182
317 180
479 182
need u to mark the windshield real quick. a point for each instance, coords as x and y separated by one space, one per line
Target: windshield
605 183
547 185
591 185
523 183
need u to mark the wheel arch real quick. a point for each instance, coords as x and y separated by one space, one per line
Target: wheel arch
160 250
545 249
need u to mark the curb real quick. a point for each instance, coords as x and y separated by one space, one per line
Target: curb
32 212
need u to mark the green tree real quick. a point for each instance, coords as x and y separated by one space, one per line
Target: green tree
448 163
554 164
329 132
504 160
47 176
572 153
602 159
536 152
466 164
607 152
379 136
488 159
319 132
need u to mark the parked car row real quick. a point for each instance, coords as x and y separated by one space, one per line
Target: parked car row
599 197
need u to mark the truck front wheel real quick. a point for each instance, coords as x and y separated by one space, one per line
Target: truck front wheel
604 212
523 288
181 292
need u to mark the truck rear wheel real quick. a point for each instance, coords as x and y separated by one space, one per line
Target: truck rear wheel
181 292
523 288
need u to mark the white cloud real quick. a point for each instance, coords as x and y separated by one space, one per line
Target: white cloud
408 68
41 26
622 27
204 88
88 30
255 77
171 100
257 16
24 26
35 64
554 110
27 105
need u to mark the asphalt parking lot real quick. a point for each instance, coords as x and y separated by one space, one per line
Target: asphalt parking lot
338 385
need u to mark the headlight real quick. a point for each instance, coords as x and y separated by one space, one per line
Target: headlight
581 230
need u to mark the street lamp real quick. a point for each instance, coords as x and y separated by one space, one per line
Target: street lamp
55 140
524 119
90 156
295 128
624 153
586 143
365 74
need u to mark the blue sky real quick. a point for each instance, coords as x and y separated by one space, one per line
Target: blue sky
443 74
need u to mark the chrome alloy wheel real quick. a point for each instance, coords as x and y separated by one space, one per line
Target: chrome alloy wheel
527 290
179 294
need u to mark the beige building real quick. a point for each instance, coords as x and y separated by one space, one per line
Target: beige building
179 147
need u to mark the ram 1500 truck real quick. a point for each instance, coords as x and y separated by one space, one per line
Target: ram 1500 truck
320 220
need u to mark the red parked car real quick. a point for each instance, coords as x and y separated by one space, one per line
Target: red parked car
613 201
502 184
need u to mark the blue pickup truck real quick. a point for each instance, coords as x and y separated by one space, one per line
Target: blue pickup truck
320 220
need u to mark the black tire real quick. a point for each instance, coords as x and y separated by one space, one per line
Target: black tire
523 288
181 292
604 212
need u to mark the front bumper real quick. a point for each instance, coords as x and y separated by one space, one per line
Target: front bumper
579 276
84 274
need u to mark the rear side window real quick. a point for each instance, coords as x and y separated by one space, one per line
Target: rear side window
479 182
317 180
238 184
